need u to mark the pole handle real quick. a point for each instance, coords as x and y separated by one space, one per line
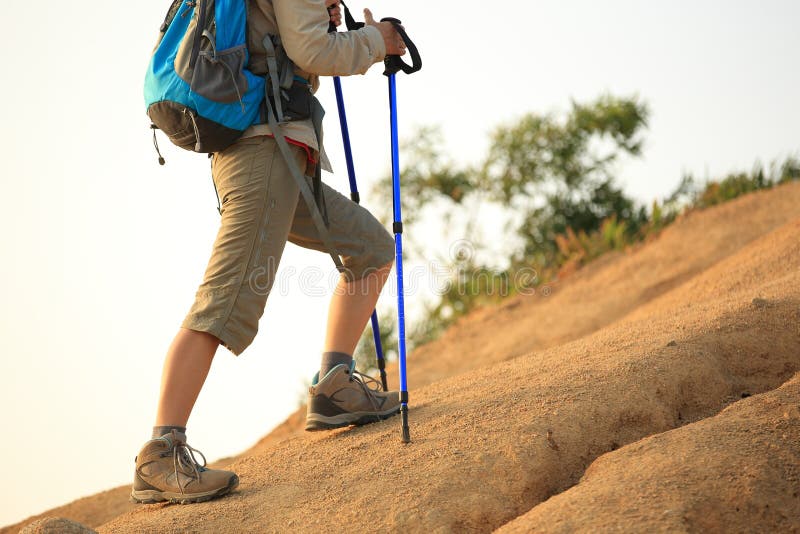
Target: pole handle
395 64
349 21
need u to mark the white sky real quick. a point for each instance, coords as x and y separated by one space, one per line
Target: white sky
103 249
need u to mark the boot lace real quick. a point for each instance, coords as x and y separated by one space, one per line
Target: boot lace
184 461
366 381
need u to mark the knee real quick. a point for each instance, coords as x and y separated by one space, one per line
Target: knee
385 251
383 258
383 255
375 262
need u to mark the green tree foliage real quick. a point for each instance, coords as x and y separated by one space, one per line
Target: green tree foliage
558 173
553 178
549 172
546 174
788 171
691 194
432 177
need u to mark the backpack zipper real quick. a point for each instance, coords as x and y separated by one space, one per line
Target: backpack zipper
173 10
189 6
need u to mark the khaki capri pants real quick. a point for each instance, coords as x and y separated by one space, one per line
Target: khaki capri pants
261 210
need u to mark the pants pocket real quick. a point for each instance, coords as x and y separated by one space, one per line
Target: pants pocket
241 169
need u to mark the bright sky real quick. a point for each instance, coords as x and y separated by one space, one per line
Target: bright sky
103 249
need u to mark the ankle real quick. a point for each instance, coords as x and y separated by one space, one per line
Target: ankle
159 431
331 359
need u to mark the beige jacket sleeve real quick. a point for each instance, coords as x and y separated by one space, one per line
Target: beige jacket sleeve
303 27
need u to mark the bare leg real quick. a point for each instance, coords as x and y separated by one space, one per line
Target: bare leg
191 353
351 305
185 369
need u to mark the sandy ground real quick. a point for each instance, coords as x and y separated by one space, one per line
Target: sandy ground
738 471
512 405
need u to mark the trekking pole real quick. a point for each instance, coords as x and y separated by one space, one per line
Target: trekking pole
394 64
354 196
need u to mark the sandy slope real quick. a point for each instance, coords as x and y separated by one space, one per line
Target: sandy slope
492 443
736 472
677 336
594 297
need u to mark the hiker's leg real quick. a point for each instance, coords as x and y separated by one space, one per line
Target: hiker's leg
350 307
335 399
367 251
185 369
158 477
258 202
258 197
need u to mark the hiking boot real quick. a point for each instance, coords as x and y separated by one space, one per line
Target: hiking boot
166 470
344 397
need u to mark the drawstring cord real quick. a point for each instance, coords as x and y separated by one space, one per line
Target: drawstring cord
161 160
215 60
197 147
216 193
235 85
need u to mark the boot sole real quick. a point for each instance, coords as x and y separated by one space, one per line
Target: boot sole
155 496
316 422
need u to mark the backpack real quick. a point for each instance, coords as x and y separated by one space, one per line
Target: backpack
198 89
200 93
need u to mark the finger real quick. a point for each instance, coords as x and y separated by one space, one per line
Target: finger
368 16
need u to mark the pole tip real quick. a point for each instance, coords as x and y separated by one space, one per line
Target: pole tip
404 423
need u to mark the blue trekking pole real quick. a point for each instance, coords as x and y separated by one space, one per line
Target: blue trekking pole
393 65
354 196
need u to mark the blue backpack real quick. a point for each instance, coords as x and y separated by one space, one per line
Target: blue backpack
198 89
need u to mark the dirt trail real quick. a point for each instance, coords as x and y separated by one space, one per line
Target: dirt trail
492 443
604 292
592 298
736 472
635 344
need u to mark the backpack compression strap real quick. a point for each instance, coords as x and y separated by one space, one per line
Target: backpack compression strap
272 66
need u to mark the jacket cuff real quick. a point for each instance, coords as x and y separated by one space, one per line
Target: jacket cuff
376 45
